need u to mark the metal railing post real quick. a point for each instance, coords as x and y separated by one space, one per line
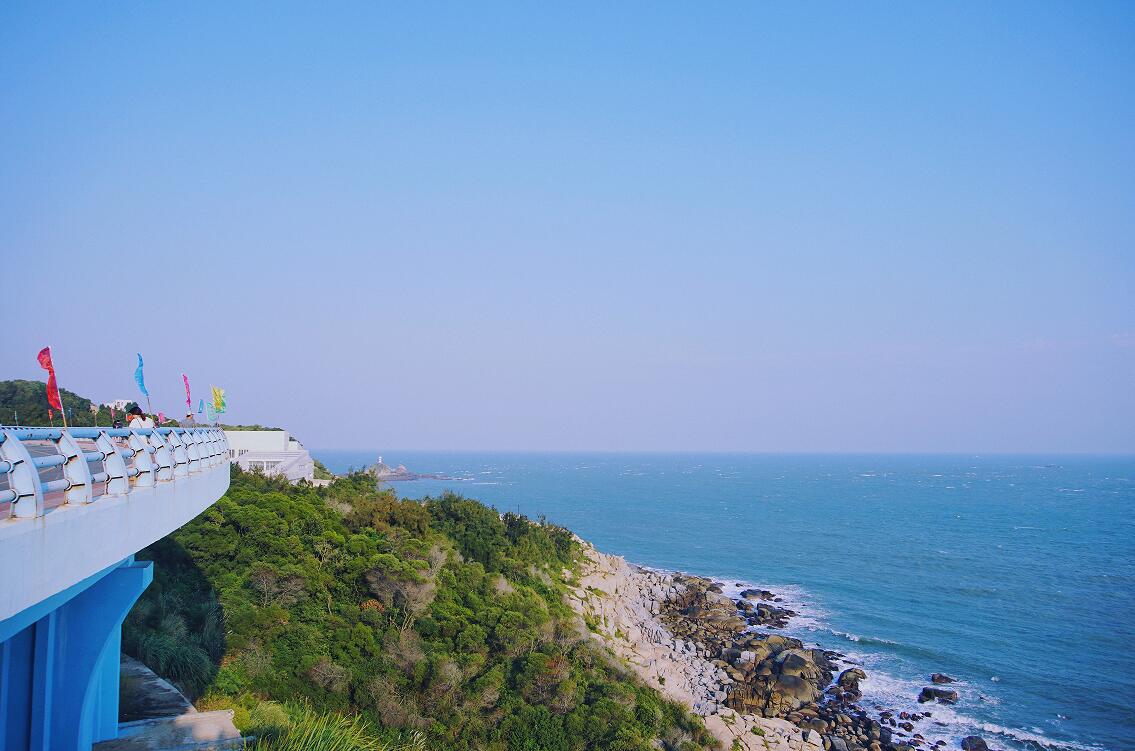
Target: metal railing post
192 449
180 455
23 478
215 446
143 460
114 464
163 457
75 470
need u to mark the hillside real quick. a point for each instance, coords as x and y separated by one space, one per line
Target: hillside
25 402
441 623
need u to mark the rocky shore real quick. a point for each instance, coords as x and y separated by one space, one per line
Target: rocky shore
754 690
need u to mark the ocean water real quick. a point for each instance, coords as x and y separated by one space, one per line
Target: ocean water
1015 575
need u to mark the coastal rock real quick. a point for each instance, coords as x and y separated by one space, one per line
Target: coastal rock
768 616
974 743
757 594
941 678
754 691
780 678
672 631
848 683
941 695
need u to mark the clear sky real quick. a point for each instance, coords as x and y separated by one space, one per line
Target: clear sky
618 226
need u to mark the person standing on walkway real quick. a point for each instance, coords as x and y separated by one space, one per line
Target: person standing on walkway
139 420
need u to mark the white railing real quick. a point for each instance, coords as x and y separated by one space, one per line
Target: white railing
44 468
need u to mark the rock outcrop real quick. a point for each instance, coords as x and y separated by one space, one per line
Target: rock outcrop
633 611
974 743
754 691
942 695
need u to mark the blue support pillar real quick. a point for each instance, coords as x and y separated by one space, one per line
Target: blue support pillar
16 655
59 675
107 675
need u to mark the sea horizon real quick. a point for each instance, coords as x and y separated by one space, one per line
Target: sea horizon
738 452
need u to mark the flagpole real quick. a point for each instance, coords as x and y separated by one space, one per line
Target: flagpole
62 407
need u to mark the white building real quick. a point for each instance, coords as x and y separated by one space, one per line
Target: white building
118 404
273 452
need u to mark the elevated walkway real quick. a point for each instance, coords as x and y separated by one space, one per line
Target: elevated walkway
75 506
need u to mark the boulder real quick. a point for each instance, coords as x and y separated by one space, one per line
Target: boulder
849 679
941 695
757 594
974 743
941 678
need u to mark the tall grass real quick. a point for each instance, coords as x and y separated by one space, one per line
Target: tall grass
315 731
177 629
177 660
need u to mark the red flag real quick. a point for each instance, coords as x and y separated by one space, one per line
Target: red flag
52 387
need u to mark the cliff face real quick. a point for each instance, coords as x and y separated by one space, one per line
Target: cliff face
638 615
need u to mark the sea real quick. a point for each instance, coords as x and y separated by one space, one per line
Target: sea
1013 574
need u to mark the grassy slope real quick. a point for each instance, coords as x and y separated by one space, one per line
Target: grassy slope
441 621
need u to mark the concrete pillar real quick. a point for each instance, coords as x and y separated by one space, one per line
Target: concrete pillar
59 675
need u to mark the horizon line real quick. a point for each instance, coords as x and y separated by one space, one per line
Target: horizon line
739 452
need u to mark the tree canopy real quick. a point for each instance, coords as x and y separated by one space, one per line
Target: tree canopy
440 622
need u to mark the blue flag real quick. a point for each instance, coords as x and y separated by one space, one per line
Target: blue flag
139 379
201 406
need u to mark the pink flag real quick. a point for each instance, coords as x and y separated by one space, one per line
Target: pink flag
53 399
161 417
188 399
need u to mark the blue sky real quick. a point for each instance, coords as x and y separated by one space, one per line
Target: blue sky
653 226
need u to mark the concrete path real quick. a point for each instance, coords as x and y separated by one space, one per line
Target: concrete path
155 716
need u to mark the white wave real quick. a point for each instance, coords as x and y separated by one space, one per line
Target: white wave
963 724
809 617
857 638
948 723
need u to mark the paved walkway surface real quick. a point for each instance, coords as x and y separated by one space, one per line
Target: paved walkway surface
155 716
143 695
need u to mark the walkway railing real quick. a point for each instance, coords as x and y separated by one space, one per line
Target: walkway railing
43 468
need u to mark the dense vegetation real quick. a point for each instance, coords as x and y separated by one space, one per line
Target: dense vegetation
439 624
25 402
321 471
